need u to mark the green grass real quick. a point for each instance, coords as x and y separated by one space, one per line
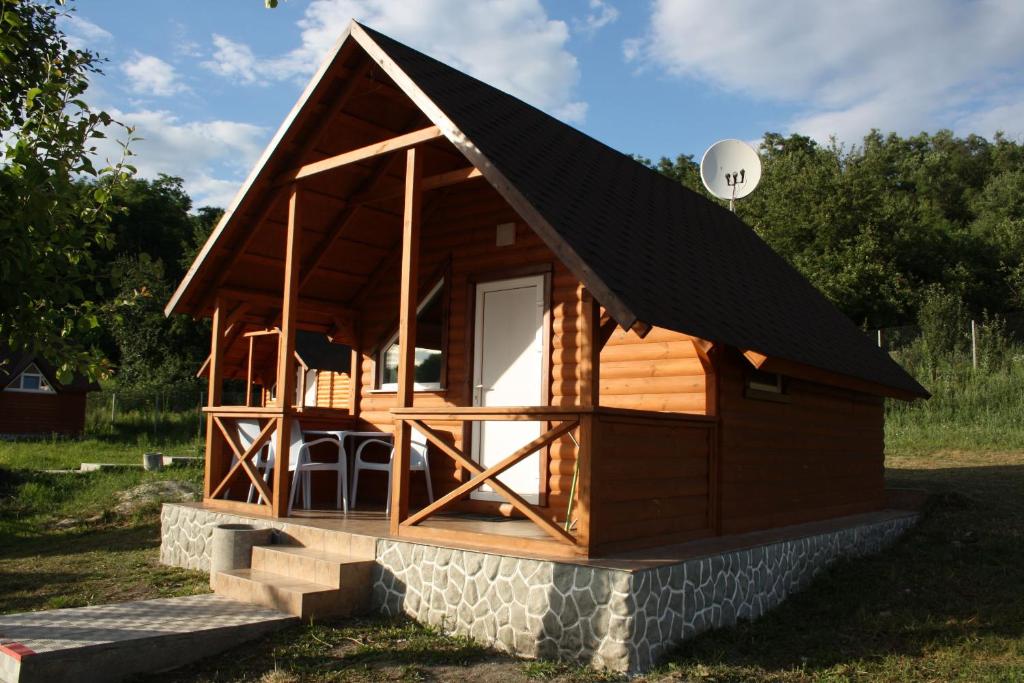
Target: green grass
63 545
970 409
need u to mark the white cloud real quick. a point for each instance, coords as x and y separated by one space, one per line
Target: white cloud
149 75
601 14
212 157
82 33
511 44
233 60
850 66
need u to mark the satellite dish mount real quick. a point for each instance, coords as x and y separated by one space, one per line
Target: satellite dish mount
730 169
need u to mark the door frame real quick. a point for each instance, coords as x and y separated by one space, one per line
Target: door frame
472 280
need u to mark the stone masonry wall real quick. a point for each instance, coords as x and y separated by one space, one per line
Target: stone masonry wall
604 617
618 619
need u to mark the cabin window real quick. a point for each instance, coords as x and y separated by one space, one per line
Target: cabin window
429 357
768 385
31 380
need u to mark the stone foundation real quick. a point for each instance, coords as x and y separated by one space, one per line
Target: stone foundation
624 620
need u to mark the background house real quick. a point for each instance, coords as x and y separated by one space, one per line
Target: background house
34 402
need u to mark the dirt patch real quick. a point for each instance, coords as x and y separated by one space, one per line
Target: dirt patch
153 493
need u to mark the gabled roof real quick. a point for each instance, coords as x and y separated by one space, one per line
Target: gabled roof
651 250
13 363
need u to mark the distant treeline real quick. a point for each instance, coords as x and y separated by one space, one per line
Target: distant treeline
893 227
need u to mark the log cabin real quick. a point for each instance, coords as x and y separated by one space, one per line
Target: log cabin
587 347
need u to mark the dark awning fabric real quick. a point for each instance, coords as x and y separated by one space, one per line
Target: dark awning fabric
319 353
676 259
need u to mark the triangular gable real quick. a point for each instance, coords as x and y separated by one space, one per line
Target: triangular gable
652 252
43 383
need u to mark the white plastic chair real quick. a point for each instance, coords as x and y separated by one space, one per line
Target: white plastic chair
418 462
299 462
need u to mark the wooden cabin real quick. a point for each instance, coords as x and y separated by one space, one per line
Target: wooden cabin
34 402
586 345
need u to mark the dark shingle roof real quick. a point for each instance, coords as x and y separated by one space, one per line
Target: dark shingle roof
675 258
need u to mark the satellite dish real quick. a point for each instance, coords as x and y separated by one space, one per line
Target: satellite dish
730 169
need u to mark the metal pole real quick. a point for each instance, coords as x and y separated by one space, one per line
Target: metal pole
974 344
880 338
113 402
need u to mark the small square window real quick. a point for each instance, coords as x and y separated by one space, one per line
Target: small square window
759 380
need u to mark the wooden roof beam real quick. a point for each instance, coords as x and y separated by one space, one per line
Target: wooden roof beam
259 296
810 373
394 144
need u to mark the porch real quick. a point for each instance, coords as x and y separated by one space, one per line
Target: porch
640 479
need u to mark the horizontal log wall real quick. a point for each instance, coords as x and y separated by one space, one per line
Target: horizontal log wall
651 481
660 372
817 454
459 240
332 389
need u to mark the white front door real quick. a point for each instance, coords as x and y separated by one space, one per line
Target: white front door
508 364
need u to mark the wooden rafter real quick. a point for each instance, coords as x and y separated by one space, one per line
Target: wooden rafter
394 144
340 221
274 193
265 296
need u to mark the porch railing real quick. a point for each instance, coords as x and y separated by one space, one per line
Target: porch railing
686 444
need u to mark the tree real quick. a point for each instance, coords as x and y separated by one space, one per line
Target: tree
48 228
153 350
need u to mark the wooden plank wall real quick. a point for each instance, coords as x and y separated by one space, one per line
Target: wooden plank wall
658 372
27 413
819 455
459 238
332 389
650 481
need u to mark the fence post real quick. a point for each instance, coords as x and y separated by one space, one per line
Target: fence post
113 404
974 344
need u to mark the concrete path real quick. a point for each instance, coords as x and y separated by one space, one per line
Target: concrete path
111 642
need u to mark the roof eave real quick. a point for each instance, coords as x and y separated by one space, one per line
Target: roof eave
175 304
611 301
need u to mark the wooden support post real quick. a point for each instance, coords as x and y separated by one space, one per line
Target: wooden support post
248 374
355 378
590 350
214 448
406 335
584 484
286 355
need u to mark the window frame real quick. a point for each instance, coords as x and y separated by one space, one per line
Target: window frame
439 289
45 387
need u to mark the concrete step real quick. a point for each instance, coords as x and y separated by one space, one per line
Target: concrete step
304 599
307 564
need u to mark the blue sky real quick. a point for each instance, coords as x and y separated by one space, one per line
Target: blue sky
207 83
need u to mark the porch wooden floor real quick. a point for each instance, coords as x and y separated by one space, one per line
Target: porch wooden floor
374 523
